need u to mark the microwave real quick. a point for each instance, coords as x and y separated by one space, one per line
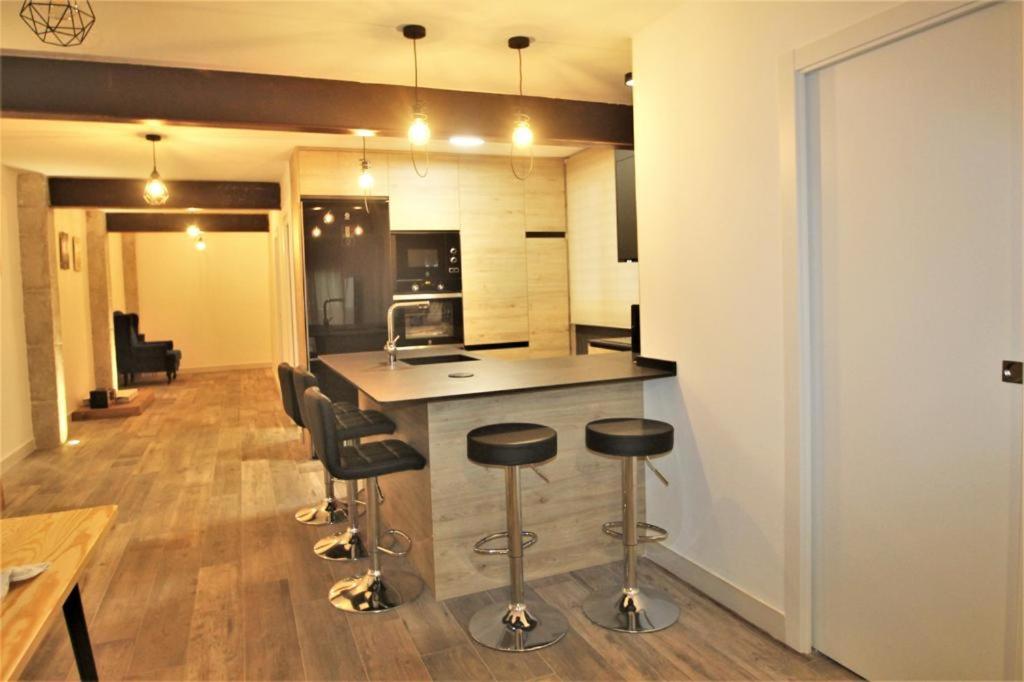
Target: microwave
427 262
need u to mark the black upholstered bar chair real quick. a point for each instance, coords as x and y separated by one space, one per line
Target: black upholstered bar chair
514 626
350 427
328 511
629 608
371 592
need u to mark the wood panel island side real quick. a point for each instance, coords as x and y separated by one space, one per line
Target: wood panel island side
453 502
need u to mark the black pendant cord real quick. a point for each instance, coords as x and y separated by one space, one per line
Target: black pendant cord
512 150
416 110
153 142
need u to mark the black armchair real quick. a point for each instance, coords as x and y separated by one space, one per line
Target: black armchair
136 355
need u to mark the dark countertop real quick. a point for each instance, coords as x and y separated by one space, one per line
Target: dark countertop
407 383
616 343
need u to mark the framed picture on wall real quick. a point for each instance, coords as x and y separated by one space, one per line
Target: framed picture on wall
64 243
76 253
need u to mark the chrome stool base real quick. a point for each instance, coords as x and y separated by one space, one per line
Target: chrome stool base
518 627
640 610
375 593
347 545
324 514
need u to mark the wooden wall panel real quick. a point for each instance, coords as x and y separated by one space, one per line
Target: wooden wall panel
491 210
430 203
329 173
547 262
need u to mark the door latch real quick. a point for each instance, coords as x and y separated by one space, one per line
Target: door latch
1013 372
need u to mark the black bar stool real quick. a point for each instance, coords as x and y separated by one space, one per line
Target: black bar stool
514 626
328 511
371 592
350 426
628 608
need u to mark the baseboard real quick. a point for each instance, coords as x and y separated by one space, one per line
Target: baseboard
225 368
26 448
745 605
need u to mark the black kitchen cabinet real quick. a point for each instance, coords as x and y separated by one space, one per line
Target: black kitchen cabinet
625 205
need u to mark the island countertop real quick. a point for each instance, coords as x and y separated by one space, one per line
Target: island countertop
369 373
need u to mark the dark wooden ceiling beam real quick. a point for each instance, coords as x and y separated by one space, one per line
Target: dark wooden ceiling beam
177 222
101 91
127 194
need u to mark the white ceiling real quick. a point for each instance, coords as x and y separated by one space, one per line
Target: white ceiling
119 150
581 49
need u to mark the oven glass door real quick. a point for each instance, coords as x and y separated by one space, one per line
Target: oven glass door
440 324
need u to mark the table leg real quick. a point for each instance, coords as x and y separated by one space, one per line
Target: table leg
74 616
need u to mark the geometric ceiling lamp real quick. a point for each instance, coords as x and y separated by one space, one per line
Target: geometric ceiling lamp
156 193
419 129
522 134
59 22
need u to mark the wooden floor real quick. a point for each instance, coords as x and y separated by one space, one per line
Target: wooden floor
206 575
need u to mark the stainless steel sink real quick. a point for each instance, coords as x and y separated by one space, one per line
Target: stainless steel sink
437 359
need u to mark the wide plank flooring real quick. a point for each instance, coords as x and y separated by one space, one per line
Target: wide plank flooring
206 575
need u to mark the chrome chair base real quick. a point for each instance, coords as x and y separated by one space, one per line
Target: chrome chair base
375 593
347 545
324 514
640 610
518 627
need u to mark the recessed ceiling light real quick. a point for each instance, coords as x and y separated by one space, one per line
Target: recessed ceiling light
364 132
317 208
629 79
466 140
74 441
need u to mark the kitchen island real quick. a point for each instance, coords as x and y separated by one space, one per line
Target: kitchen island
453 502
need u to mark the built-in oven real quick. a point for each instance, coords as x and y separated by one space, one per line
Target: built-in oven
439 324
427 262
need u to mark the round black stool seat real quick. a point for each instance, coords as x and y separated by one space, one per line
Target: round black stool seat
511 444
629 437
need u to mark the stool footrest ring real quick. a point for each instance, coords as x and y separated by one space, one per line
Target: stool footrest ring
392 551
657 534
529 537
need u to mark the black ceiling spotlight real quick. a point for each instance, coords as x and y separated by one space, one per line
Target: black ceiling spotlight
64 23
629 79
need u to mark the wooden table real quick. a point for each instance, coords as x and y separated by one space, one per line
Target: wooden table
65 540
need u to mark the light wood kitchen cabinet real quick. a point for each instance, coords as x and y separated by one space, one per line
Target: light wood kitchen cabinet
547 262
330 173
494 292
430 203
545 196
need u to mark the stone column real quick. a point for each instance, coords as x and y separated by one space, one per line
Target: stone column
100 310
42 311
131 274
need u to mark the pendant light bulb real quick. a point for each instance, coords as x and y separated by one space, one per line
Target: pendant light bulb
522 134
155 193
193 231
366 178
200 245
316 231
419 130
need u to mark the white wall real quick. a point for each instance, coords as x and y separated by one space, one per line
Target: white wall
215 304
710 239
75 320
15 400
601 289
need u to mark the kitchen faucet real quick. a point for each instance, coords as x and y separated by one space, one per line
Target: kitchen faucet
391 346
327 320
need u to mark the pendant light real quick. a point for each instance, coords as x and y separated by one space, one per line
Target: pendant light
365 176
59 22
522 133
629 79
156 193
419 129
